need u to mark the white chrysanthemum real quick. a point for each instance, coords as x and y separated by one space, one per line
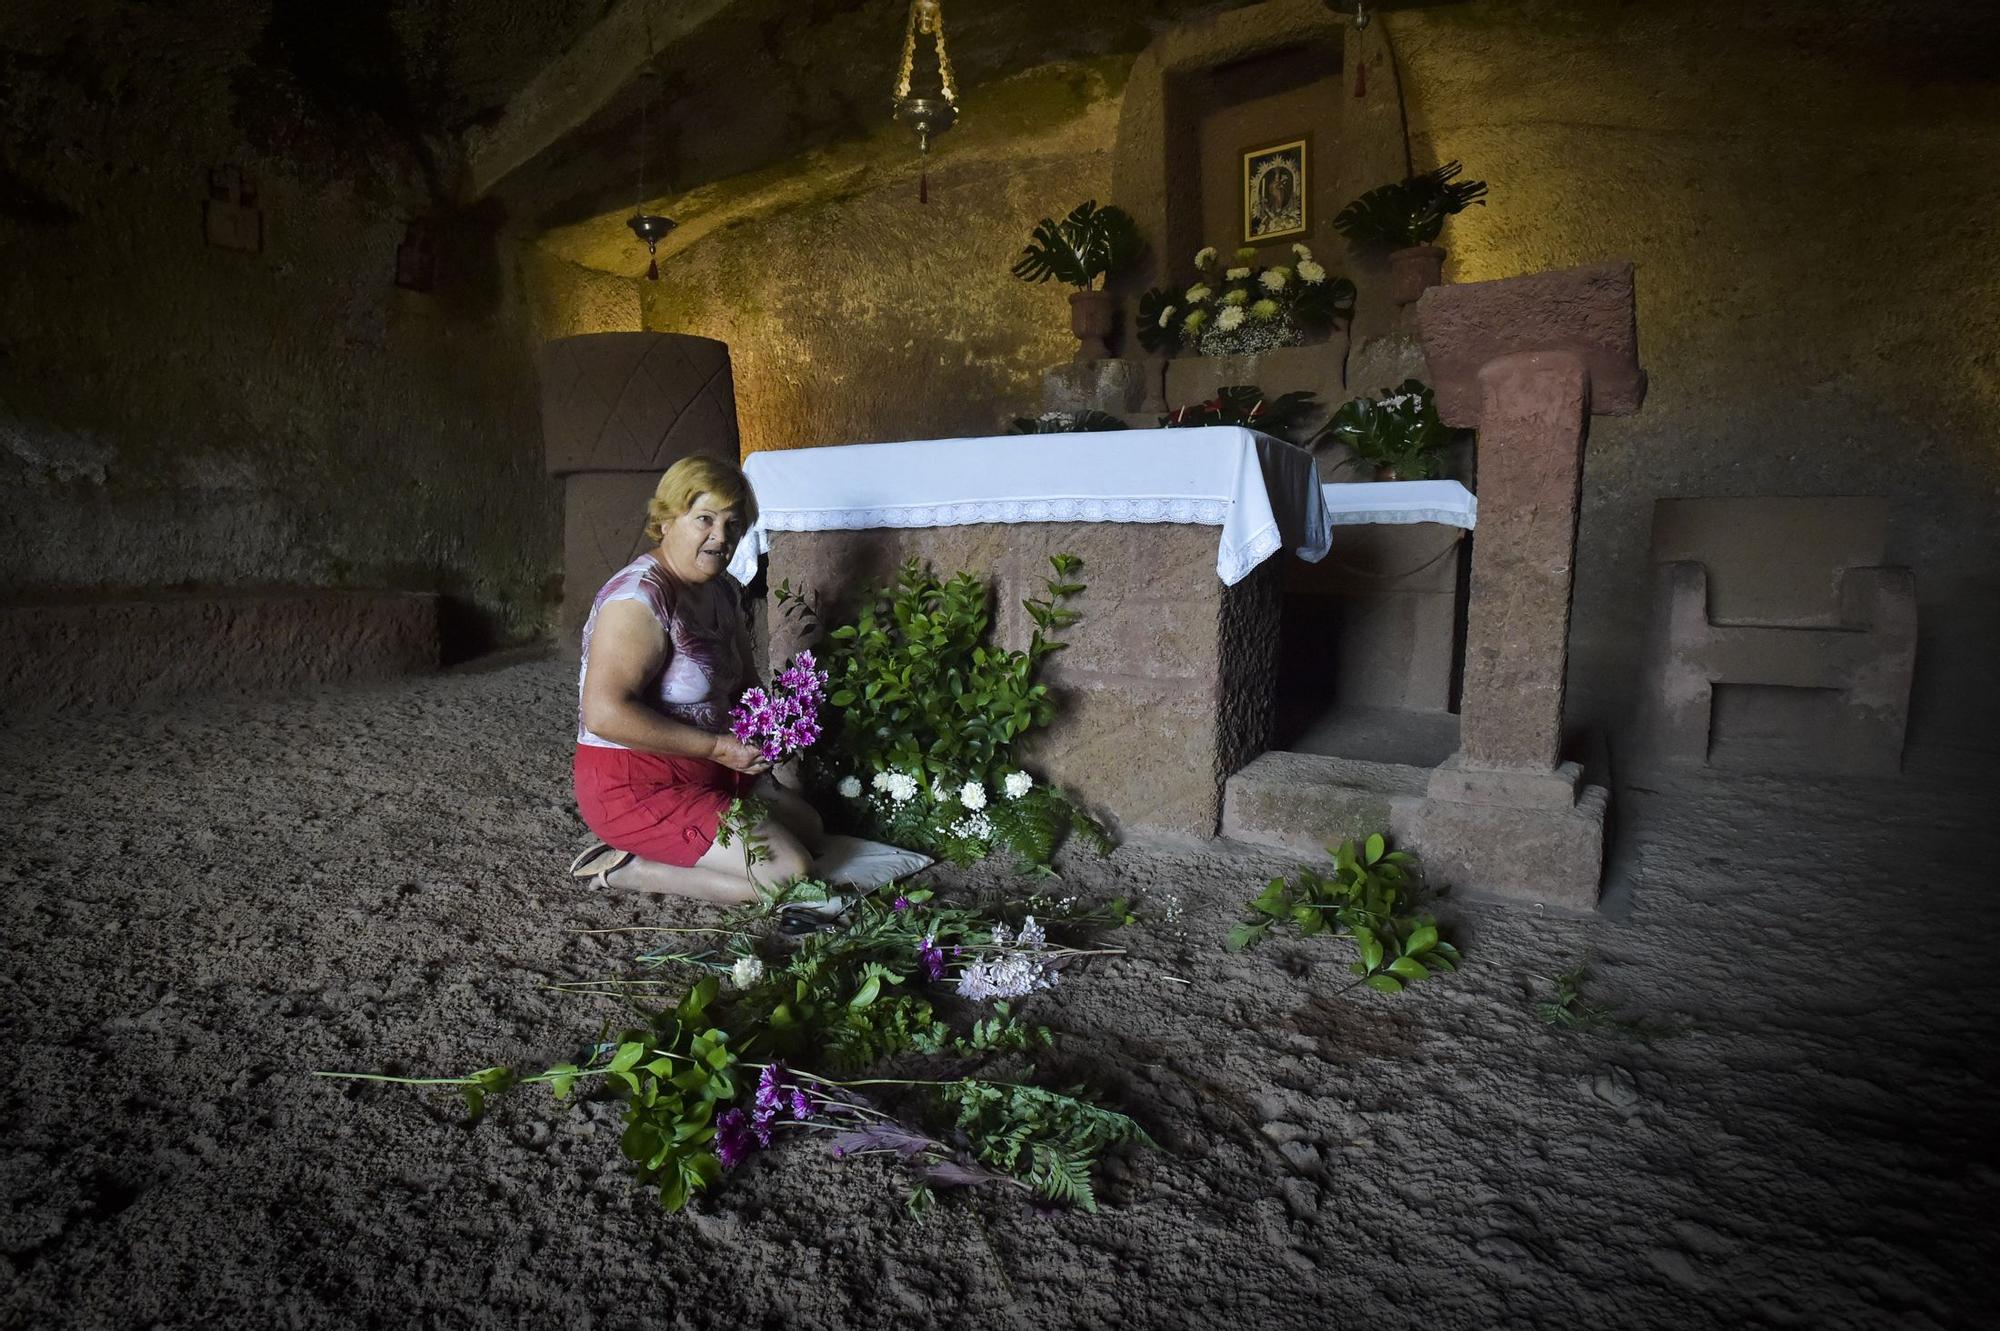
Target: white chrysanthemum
1237 274
972 795
1196 294
746 972
849 787
1310 271
1265 309
937 790
1274 279
1302 252
1204 256
1230 319
1167 315
1237 297
898 786
1018 784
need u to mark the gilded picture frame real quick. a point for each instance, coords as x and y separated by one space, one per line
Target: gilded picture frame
1276 197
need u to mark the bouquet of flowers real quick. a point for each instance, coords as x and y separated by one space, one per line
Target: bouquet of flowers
783 720
1246 307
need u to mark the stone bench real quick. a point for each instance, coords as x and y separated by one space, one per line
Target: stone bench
149 647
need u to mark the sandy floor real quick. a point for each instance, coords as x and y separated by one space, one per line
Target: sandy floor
204 903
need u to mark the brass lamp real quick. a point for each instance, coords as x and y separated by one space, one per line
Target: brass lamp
928 115
648 227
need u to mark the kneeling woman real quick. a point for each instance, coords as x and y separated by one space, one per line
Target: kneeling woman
666 655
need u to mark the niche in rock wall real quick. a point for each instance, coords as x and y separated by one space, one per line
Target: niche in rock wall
1267 101
1206 91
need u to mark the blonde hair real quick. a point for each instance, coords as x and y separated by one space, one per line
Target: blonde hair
688 480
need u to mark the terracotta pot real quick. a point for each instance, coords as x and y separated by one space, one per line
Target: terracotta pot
1414 271
1090 318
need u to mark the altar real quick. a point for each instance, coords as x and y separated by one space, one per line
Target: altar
1167 684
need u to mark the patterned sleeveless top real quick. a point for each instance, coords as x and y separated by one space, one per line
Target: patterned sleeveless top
708 647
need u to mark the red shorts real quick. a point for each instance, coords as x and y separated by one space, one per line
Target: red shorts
663 809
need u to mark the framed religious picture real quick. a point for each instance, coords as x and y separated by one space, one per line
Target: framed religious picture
1274 191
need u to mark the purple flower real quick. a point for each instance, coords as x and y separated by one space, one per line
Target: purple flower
900 903
802 1108
931 957
732 1138
784 720
770 1086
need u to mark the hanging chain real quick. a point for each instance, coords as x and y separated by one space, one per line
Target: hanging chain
927 17
639 205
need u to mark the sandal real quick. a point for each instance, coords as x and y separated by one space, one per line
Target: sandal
597 860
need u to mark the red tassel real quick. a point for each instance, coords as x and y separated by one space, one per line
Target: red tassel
653 270
924 185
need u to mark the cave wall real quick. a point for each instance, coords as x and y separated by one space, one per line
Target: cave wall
855 313
1818 278
178 415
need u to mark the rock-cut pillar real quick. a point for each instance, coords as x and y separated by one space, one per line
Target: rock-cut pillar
1526 361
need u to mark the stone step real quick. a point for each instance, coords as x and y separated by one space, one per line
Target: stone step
1306 801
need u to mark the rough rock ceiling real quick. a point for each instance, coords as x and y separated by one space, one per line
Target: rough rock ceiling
759 82
746 85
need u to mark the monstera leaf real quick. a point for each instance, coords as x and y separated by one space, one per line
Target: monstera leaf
1411 211
1089 244
1152 306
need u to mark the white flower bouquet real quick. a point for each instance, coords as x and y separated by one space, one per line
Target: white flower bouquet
1245 307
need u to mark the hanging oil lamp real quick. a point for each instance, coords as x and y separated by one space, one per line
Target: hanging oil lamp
650 228
928 115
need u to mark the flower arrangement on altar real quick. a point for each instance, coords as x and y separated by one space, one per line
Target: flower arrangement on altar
1245 307
1398 431
1088 421
1246 405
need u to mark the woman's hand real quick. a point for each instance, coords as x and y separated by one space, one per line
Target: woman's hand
738 756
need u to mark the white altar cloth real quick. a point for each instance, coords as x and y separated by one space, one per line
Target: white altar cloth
1263 493
1401 501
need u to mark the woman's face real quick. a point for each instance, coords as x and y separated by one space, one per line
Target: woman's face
696 546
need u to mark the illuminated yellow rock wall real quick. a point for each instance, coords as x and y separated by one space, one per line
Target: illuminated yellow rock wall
1813 215
854 313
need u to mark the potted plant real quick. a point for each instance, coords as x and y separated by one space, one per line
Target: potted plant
1244 308
1083 250
1399 432
1405 218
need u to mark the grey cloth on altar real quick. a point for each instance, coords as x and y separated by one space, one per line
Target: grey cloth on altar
848 861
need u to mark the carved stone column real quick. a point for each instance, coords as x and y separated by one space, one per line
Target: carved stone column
1526 361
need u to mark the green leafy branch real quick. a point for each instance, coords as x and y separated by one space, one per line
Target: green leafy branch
1362 900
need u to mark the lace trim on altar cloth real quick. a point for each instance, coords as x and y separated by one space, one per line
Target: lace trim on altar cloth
1206 512
1450 517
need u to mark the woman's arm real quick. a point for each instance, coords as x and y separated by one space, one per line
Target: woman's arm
627 650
